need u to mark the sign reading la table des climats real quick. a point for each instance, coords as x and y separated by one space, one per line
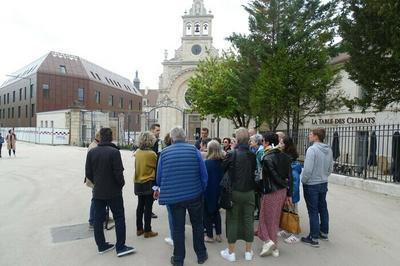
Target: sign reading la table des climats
343 121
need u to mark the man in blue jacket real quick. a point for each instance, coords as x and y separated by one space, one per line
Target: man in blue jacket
182 178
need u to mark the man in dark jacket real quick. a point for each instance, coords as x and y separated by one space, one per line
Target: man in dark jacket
105 170
204 135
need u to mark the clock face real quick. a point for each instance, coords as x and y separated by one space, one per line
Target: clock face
196 49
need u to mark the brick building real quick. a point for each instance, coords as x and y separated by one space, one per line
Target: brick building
59 81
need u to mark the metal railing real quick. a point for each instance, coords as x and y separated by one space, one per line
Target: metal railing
369 152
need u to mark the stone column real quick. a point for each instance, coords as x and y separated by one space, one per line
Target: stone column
75 127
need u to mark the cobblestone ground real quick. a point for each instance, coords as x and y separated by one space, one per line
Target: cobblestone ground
41 190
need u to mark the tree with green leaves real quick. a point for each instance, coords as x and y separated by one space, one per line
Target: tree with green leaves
292 40
217 88
371 35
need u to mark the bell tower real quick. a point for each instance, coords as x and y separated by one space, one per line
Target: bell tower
197 32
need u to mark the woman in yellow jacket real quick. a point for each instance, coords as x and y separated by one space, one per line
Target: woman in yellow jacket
145 172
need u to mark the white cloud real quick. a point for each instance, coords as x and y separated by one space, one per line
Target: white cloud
120 35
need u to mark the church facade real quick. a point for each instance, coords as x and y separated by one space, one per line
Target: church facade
197 44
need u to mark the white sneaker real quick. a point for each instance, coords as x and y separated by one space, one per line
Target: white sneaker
292 239
248 255
169 241
275 253
282 233
229 257
267 248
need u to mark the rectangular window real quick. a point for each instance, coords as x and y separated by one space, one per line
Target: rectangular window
13 96
12 112
93 74
62 69
97 75
46 124
25 93
111 100
97 97
20 94
26 111
81 94
41 123
51 124
19 111
8 113
31 90
8 98
130 104
121 102
4 99
45 90
33 110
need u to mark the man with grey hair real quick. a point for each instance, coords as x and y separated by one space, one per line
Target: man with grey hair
182 178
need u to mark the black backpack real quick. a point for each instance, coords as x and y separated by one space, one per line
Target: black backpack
225 198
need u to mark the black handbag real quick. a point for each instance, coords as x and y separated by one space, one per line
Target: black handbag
225 200
142 189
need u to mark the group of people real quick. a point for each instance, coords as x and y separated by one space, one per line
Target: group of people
11 140
265 176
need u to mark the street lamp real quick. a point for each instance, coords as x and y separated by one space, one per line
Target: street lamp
30 95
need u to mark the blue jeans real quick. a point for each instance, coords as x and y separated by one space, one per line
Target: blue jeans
171 225
195 209
117 208
315 197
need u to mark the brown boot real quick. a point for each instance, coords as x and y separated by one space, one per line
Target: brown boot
150 234
139 232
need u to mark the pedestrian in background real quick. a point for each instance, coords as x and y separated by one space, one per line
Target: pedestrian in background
276 189
318 165
212 217
144 179
241 164
1 143
11 139
105 170
204 135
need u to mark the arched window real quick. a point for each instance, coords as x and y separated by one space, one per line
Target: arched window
197 29
205 29
188 29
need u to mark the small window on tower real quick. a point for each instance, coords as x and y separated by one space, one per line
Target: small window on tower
197 29
188 29
205 29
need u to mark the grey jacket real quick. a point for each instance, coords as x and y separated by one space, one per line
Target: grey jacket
317 165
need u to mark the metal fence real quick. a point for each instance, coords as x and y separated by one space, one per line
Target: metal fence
369 152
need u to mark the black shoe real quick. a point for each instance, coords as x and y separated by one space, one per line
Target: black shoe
153 215
308 240
256 217
107 247
323 236
202 260
125 251
174 263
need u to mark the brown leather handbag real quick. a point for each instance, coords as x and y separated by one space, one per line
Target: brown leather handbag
290 220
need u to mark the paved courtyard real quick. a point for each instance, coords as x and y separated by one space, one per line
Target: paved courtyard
44 207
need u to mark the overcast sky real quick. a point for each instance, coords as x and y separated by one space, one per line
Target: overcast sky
119 35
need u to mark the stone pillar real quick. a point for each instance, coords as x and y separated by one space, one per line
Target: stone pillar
75 127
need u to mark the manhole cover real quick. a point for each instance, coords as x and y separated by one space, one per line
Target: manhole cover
70 233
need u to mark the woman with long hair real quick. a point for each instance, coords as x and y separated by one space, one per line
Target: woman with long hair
145 173
290 149
212 217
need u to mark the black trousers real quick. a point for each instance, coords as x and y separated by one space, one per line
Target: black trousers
117 208
145 206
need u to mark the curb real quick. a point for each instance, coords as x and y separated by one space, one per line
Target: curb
367 185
